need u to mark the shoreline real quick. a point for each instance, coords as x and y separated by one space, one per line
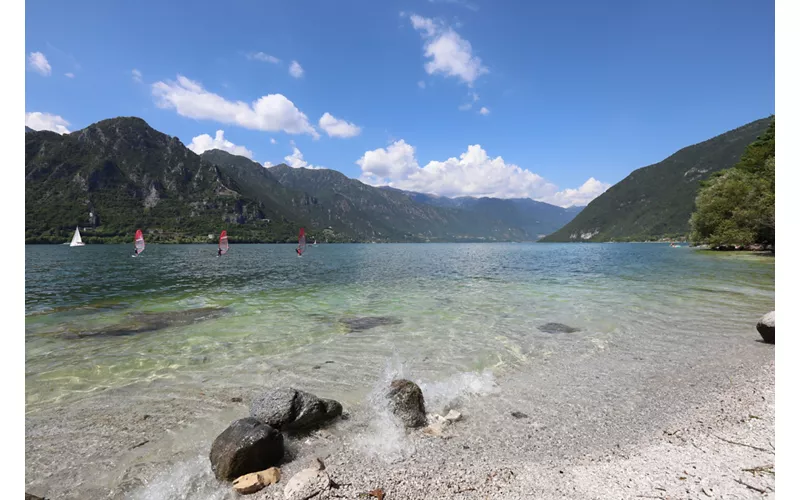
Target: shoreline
543 456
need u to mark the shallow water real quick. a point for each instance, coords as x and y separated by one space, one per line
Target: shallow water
440 308
107 333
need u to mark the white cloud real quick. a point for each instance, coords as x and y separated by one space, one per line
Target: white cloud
473 173
335 127
268 164
397 161
296 70
270 113
272 140
205 142
484 111
421 84
466 106
447 52
137 75
295 160
590 190
46 121
69 75
38 62
260 56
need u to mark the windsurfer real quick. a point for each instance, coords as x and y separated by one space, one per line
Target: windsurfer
219 252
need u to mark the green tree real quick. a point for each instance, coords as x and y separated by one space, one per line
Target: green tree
737 206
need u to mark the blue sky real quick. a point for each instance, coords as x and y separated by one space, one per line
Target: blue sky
575 94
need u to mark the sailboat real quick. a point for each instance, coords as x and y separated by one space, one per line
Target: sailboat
76 239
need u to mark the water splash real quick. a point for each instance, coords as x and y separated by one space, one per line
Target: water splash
456 390
190 479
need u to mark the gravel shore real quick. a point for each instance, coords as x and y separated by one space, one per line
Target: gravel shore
612 425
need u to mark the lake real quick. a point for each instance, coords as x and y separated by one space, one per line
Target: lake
103 329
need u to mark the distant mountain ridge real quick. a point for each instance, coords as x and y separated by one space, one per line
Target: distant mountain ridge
657 201
119 175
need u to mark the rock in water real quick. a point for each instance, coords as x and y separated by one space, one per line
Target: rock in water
246 446
557 328
256 481
365 323
290 410
407 403
766 327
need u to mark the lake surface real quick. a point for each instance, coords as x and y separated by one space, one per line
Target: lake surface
449 308
173 334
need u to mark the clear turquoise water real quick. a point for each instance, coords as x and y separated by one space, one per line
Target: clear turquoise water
456 308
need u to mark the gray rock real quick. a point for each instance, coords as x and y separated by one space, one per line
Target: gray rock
407 403
557 328
290 410
246 446
365 323
307 483
766 327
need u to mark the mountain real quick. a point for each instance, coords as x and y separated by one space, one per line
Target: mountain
536 218
376 213
118 175
656 201
28 129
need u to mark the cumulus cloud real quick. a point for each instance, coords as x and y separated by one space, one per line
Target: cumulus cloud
296 70
295 160
261 56
136 75
590 190
335 127
484 111
272 140
447 52
270 113
46 121
381 165
69 75
473 173
268 164
205 142
38 62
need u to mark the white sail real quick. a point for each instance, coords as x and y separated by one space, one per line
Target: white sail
76 239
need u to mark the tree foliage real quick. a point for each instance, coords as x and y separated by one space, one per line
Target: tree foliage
737 206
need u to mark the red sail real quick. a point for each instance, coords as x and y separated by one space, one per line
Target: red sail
139 241
301 241
223 242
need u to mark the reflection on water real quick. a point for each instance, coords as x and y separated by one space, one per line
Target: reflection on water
97 319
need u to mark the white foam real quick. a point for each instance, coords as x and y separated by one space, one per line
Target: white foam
190 479
462 385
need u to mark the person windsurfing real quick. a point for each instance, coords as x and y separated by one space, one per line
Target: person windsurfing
301 242
219 252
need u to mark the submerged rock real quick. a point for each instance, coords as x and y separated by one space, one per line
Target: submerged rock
151 322
246 446
518 414
256 481
407 403
557 328
290 410
766 327
365 323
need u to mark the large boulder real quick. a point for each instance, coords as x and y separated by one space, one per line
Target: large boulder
407 403
766 327
290 410
246 446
